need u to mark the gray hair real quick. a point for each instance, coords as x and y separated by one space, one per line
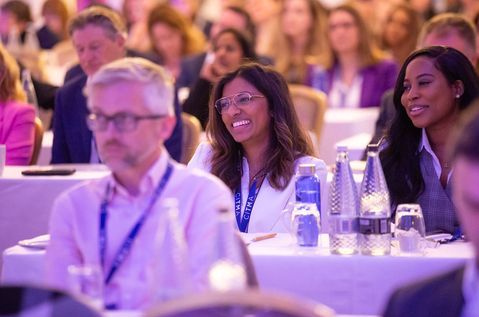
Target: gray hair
445 23
158 83
107 19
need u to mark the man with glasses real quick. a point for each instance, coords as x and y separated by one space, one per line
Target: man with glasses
98 35
111 223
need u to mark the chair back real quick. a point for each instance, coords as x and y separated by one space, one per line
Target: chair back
238 304
310 105
191 136
28 301
37 143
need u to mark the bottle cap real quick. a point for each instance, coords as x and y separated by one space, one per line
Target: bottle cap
306 169
341 148
373 147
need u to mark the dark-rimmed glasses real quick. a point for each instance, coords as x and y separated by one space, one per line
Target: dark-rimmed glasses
123 121
240 99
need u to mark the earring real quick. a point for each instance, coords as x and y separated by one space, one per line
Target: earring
458 96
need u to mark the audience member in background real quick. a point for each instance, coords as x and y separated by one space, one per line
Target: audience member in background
231 17
454 293
130 129
255 145
434 86
18 35
374 14
357 73
265 15
136 14
190 10
99 36
231 48
173 37
54 30
469 8
301 39
399 36
17 129
448 29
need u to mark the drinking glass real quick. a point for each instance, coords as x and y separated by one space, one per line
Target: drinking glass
86 280
410 229
3 154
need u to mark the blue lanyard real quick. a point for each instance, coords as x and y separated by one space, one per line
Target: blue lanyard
243 222
124 250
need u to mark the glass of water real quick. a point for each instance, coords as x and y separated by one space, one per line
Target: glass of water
410 229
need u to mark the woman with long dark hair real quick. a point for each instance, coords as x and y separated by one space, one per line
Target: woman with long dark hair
255 142
434 85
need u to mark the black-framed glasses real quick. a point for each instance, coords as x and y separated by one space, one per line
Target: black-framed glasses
240 99
123 121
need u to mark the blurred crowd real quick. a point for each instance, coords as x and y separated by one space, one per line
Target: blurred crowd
351 50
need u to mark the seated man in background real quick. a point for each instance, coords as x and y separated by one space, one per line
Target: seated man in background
112 222
99 36
448 29
455 293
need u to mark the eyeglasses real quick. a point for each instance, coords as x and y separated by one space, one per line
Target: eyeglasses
123 121
241 99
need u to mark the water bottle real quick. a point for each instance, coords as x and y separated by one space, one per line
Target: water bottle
228 271
375 208
170 267
29 89
343 207
306 212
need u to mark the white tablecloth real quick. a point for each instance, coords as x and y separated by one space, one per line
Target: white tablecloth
340 124
25 201
348 284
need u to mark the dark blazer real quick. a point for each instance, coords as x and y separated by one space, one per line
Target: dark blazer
197 102
191 68
46 38
437 296
76 70
71 136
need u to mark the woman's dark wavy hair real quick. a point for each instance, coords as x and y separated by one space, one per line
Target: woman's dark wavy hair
400 159
288 140
244 40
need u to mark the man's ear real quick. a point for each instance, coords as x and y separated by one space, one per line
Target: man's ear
120 40
166 127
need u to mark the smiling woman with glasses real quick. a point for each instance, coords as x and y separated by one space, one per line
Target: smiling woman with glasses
255 144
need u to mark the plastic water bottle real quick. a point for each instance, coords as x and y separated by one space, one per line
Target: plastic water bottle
228 272
306 213
344 207
170 267
375 210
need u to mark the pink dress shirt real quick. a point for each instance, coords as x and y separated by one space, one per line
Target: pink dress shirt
74 229
17 131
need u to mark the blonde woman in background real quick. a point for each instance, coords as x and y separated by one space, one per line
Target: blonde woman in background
401 31
16 117
357 72
173 37
301 39
265 15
